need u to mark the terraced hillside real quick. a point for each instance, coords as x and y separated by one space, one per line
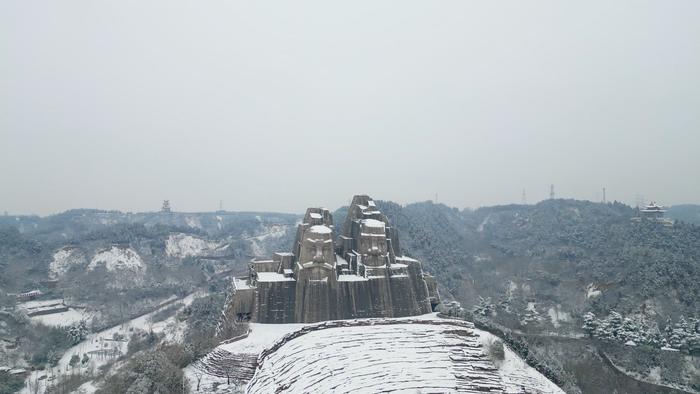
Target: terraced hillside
424 354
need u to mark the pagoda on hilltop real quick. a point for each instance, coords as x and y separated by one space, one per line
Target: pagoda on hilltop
655 213
358 273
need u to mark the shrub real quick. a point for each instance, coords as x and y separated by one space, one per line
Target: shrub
495 350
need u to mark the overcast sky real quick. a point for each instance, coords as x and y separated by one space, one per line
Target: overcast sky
277 106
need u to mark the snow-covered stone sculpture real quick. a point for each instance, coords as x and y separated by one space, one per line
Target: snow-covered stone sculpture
363 274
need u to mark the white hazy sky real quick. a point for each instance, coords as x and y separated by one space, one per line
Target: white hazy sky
282 105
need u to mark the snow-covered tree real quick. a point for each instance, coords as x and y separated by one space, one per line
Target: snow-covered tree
485 307
630 331
679 334
653 336
614 325
590 324
77 332
74 360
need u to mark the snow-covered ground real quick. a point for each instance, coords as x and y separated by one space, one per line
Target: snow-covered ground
557 316
117 258
402 356
406 347
101 347
62 319
261 336
515 373
257 242
184 245
64 259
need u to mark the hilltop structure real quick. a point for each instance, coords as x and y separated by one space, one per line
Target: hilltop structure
359 274
655 213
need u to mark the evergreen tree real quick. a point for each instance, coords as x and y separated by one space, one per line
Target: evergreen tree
614 325
629 331
590 323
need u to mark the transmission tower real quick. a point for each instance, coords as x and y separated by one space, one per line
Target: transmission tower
551 192
604 201
166 206
523 200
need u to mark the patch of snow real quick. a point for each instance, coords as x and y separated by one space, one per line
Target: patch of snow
316 215
556 315
61 319
405 258
320 229
64 259
273 277
351 278
592 291
481 257
117 258
373 223
258 242
193 222
483 223
183 245
512 286
515 372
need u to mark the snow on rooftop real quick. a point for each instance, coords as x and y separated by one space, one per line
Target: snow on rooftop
351 278
405 258
240 284
273 277
320 229
316 215
373 223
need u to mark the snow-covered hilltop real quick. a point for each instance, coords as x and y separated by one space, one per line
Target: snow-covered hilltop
419 354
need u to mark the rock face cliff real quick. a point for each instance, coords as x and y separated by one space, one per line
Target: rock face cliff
360 273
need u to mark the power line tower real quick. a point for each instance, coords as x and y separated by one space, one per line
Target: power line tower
640 200
551 192
604 200
166 206
523 200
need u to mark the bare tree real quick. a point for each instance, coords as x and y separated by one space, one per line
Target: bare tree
198 374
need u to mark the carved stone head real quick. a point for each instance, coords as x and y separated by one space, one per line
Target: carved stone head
372 243
317 248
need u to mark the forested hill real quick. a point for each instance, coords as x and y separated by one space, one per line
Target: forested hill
687 212
555 260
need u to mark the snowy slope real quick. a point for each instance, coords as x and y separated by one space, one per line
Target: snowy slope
422 353
183 245
383 355
102 348
117 258
64 259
